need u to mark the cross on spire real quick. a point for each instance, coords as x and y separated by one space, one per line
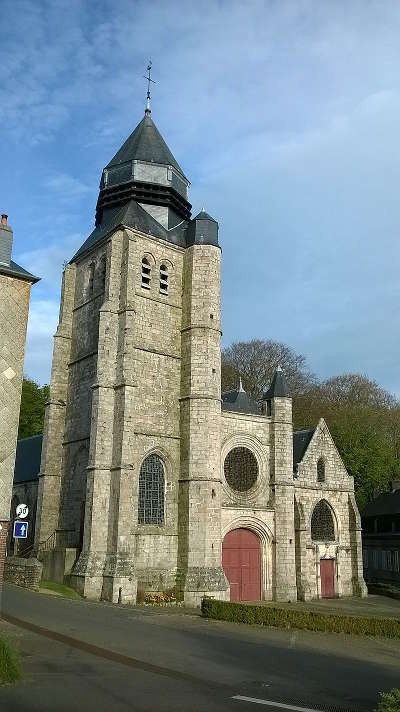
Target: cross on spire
149 80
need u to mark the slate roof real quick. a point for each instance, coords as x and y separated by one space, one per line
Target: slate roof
301 441
132 215
239 402
202 215
145 144
385 503
278 387
15 270
27 460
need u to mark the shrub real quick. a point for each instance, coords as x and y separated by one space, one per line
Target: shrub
390 701
159 598
300 619
9 663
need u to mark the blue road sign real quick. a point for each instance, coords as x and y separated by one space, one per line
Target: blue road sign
20 530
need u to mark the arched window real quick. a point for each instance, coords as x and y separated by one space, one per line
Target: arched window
90 279
322 524
103 272
240 469
151 491
321 470
164 279
146 273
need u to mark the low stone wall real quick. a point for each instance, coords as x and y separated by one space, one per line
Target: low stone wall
23 572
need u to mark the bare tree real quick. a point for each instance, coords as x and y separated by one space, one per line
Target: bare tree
256 361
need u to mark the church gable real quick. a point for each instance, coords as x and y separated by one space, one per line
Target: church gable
320 463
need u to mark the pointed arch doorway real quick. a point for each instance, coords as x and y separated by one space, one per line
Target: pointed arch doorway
241 560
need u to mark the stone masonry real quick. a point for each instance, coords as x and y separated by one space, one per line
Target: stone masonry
146 468
15 286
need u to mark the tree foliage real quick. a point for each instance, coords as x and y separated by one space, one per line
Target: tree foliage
33 402
363 418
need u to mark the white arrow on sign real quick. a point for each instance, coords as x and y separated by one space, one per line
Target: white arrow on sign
22 511
23 529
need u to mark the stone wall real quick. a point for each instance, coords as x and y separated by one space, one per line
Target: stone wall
14 305
23 572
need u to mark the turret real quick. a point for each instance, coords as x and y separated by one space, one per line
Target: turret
278 404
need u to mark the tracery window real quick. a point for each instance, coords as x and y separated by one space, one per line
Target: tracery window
164 279
322 524
240 469
321 470
146 273
151 491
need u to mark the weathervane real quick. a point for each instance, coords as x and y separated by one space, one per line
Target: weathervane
149 79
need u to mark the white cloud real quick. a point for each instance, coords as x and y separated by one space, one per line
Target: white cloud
48 261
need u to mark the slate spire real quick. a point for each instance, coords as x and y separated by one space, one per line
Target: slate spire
278 387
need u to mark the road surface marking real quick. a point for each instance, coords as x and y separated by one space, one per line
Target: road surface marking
271 703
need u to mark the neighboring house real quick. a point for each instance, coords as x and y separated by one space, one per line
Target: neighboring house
148 477
381 537
25 487
15 290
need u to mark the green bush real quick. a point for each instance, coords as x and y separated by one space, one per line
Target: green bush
9 663
300 619
390 701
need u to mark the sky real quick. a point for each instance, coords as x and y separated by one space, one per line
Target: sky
285 116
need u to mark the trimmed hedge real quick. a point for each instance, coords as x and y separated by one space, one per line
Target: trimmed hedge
300 619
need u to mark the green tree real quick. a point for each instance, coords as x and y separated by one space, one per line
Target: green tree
364 420
33 402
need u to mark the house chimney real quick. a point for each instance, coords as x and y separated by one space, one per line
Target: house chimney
6 240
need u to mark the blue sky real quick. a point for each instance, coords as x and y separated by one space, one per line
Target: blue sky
285 116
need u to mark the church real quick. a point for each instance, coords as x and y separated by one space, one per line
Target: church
150 479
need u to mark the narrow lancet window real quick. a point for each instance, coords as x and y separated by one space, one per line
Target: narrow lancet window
321 470
90 279
164 279
146 273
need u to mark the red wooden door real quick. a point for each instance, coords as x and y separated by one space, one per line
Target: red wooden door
241 559
327 570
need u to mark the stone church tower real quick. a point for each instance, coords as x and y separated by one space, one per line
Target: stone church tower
150 479
136 373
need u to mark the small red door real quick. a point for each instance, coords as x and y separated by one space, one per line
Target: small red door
327 570
241 559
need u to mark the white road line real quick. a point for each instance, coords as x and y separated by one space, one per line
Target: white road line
271 703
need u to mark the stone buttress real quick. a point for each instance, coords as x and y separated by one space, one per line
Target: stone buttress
200 481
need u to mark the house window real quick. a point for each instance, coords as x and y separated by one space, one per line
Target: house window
146 273
163 279
322 524
321 470
151 491
240 469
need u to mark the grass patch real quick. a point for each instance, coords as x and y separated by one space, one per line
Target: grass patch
300 619
10 668
59 588
390 701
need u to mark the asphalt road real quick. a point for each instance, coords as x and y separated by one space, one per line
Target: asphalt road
95 656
